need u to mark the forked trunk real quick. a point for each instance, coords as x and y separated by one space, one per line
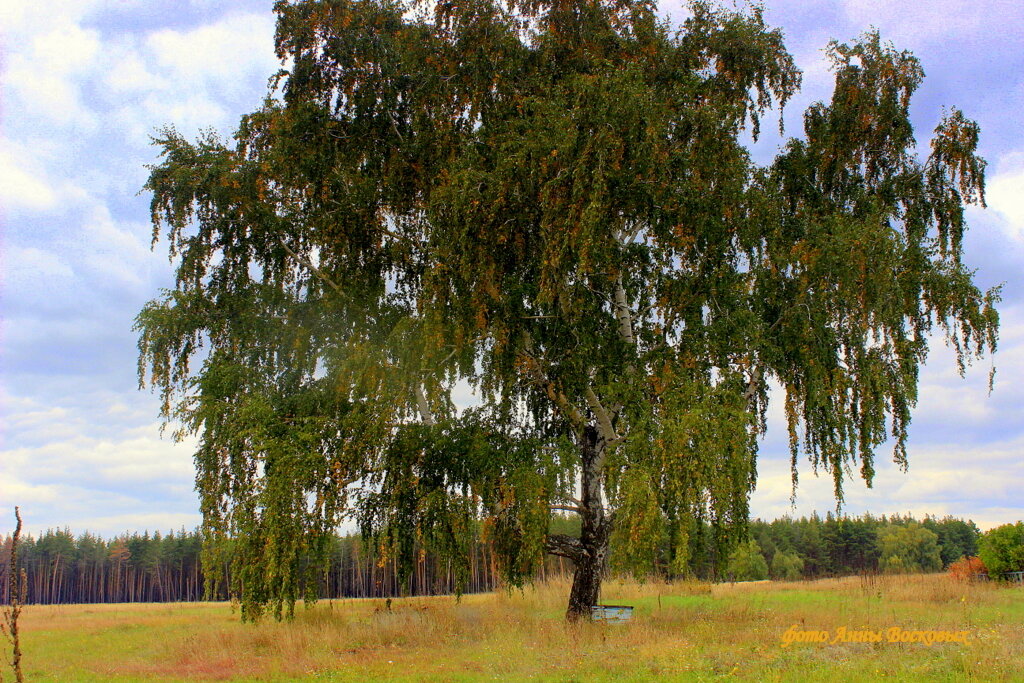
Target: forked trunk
592 552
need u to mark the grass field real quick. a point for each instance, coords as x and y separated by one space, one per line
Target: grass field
683 631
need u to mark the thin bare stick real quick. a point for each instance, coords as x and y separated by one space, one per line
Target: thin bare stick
17 587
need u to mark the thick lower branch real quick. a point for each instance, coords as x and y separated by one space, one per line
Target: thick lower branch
564 546
604 419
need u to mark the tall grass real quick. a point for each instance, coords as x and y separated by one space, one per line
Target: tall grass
679 631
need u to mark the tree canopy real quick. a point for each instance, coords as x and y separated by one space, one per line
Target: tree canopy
549 201
909 548
1002 549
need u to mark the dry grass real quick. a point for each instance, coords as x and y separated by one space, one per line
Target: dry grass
680 631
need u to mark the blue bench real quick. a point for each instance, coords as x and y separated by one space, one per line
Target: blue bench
611 614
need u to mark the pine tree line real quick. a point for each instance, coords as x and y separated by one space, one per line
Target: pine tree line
64 568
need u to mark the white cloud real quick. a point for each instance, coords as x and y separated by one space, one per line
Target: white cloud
45 281
130 73
978 482
116 254
21 190
27 183
136 520
136 467
35 266
45 77
217 54
1005 194
22 16
191 79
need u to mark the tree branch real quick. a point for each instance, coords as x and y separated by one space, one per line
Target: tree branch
622 313
564 546
423 406
627 235
604 419
316 271
753 384
533 368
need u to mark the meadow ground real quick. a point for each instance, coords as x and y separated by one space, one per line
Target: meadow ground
681 631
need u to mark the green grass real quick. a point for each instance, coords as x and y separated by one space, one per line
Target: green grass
680 632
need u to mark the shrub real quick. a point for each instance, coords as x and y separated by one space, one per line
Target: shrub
1002 549
967 568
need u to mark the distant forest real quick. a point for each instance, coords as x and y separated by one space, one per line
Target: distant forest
64 568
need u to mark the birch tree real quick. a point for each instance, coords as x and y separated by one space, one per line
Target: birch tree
551 201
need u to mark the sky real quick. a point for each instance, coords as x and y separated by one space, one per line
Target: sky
83 86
